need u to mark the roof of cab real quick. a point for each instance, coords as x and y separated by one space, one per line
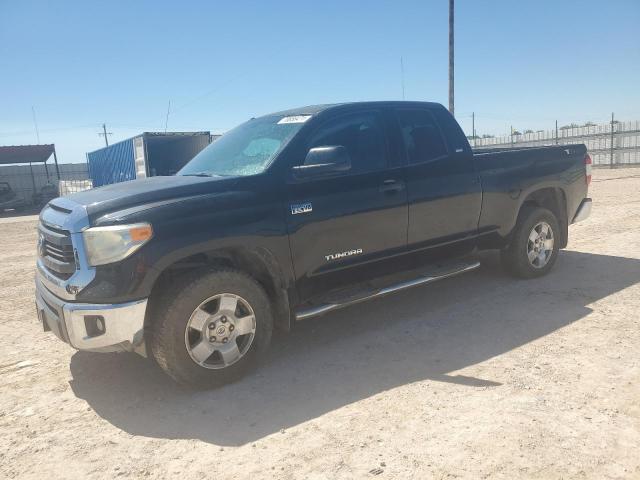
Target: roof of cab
315 109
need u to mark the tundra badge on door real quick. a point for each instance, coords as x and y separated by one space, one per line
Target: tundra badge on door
348 253
297 208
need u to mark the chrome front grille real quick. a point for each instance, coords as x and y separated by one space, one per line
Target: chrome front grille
62 261
55 249
63 254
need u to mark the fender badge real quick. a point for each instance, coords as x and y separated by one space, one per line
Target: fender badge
298 208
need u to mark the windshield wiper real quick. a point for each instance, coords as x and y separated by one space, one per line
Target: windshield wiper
200 174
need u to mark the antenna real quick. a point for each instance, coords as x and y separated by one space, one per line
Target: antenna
402 75
166 121
35 122
105 133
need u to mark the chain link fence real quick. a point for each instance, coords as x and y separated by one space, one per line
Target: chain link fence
613 144
33 185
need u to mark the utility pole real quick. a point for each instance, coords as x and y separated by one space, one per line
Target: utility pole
556 132
473 127
612 125
105 133
451 103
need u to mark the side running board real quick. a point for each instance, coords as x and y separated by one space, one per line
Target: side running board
328 307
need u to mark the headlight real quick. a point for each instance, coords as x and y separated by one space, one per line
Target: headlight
115 243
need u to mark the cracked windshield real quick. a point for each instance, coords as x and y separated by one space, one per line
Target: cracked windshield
247 149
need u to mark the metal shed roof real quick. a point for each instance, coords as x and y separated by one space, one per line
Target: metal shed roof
25 154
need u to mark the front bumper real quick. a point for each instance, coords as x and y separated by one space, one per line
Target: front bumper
93 327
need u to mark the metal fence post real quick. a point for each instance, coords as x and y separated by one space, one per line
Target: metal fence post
612 124
55 159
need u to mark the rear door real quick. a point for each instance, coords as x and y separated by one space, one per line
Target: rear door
341 223
444 191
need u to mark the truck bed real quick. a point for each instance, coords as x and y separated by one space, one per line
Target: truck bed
480 151
509 175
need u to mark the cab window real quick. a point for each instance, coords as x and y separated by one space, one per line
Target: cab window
362 134
421 136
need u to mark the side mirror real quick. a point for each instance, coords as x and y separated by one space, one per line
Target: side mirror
322 161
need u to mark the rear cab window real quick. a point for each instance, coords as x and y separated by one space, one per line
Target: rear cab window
421 136
454 136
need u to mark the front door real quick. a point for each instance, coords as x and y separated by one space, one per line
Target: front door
340 224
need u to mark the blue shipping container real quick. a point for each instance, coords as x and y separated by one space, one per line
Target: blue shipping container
112 164
146 155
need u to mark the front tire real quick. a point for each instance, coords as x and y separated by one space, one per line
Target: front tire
534 245
212 329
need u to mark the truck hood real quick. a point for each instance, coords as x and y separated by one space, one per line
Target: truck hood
119 196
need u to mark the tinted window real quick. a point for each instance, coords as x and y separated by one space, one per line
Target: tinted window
361 134
421 136
456 139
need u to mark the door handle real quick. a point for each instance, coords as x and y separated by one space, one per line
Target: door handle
391 186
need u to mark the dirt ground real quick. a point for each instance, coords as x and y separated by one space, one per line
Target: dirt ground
478 376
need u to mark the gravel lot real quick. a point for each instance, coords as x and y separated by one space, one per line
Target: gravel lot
476 376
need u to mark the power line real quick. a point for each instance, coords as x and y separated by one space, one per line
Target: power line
217 89
47 130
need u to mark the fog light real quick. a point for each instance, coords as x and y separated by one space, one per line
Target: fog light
95 325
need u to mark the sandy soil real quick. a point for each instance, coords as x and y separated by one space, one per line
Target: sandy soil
477 376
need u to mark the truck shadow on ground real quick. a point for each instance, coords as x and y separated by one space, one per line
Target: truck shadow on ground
426 333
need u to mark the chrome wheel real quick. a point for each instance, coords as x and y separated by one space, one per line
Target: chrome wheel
220 331
540 245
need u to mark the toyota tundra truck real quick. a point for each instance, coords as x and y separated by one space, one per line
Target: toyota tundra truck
290 216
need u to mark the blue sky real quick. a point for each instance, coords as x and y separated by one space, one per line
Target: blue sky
83 63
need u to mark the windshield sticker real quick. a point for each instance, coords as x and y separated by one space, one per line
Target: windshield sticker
294 119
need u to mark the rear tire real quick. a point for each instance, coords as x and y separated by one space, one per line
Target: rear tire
534 245
212 329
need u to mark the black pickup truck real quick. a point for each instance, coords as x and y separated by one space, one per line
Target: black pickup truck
289 216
